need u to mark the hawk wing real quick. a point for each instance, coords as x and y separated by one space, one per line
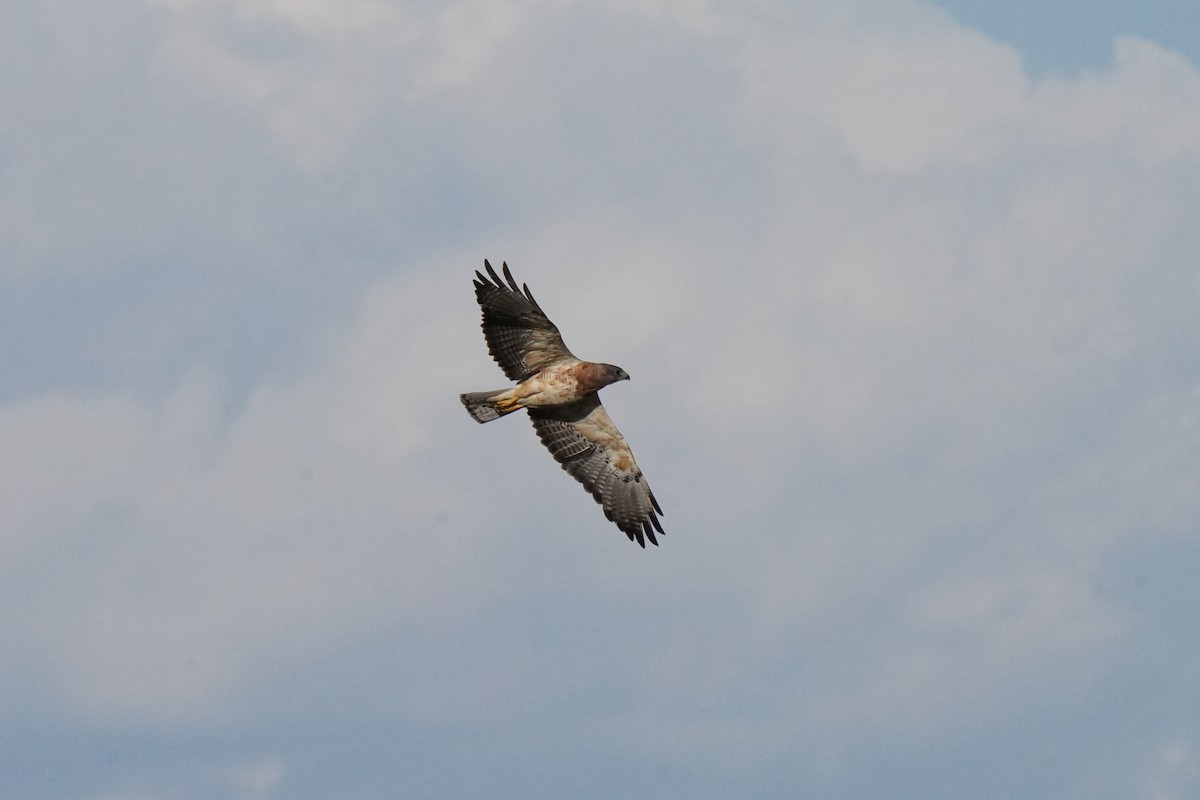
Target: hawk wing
519 335
584 440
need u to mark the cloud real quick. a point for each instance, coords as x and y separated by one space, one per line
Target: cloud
227 541
895 98
1176 768
1144 107
317 75
258 778
909 335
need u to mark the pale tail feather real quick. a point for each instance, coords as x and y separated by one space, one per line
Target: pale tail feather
480 406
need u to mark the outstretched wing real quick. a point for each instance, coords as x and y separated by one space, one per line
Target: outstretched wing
519 335
584 440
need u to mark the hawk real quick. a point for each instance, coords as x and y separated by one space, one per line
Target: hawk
560 393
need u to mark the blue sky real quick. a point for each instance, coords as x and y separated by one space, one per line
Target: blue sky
1063 38
909 296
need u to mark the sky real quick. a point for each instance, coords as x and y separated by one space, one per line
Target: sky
909 296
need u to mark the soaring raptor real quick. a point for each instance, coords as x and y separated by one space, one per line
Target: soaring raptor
560 392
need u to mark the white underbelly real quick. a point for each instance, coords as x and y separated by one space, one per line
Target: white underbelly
548 390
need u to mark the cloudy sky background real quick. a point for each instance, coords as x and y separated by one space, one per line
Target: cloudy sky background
911 300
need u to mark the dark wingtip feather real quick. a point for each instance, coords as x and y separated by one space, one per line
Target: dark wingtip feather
529 295
654 503
508 276
492 272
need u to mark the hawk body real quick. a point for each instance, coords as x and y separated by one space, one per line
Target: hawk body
560 393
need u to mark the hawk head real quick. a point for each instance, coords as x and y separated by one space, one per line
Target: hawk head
613 373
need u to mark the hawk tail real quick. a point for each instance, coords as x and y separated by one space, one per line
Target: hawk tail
486 406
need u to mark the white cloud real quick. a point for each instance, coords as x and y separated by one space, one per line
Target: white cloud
1175 773
64 456
216 547
258 777
317 74
910 344
895 99
1146 108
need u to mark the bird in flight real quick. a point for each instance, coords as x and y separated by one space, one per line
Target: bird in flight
560 393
